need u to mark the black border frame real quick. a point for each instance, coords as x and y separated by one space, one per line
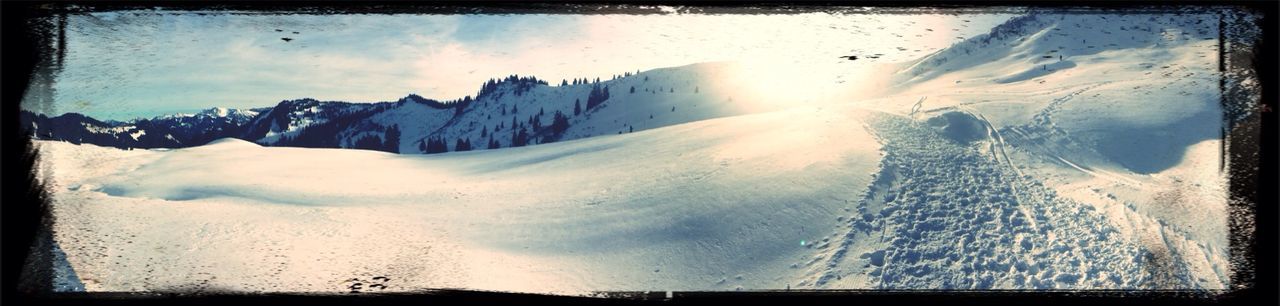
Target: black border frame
23 214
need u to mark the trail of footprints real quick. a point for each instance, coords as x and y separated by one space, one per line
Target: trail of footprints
941 215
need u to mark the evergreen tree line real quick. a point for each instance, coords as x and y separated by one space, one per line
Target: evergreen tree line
597 95
583 81
522 133
434 145
522 85
327 134
390 141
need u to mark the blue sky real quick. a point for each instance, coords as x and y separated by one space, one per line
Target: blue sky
122 65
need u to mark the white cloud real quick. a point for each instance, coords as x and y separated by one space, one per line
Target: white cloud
124 63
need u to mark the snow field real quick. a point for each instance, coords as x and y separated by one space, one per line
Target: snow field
697 203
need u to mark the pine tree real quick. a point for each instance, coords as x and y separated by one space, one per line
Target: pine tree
484 132
577 108
519 138
633 89
559 123
436 145
392 141
462 145
367 143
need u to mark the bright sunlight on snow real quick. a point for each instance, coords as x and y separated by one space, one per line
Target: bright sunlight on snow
1055 151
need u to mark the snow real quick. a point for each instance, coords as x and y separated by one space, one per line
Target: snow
106 130
137 133
695 92
415 120
1127 121
219 111
991 164
702 201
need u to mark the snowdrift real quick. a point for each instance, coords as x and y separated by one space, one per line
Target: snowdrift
1059 151
712 205
1117 111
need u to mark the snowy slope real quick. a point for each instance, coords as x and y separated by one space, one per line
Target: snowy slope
990 164
696 92
502 110
716 204
1127 120
290 117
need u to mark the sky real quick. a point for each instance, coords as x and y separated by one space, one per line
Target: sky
125 65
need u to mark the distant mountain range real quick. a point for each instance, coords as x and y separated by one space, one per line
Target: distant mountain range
171 131
509 112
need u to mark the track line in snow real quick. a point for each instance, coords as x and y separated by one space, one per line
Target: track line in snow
952 219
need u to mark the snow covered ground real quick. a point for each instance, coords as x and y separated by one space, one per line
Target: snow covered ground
1121 112
716 204
991 164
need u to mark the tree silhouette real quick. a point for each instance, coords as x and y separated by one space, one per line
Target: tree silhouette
436 145
391 141
462 145
519 138
559 123
367 143
597 96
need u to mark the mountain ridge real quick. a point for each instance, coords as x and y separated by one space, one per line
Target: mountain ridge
416 120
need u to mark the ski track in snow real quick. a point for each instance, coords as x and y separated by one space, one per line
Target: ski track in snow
946 207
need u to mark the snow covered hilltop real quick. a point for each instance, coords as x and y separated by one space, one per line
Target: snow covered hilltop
509 112
1058 151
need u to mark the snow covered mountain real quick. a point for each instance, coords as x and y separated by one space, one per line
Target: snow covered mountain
1059 151
509 112
515 111
171 131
